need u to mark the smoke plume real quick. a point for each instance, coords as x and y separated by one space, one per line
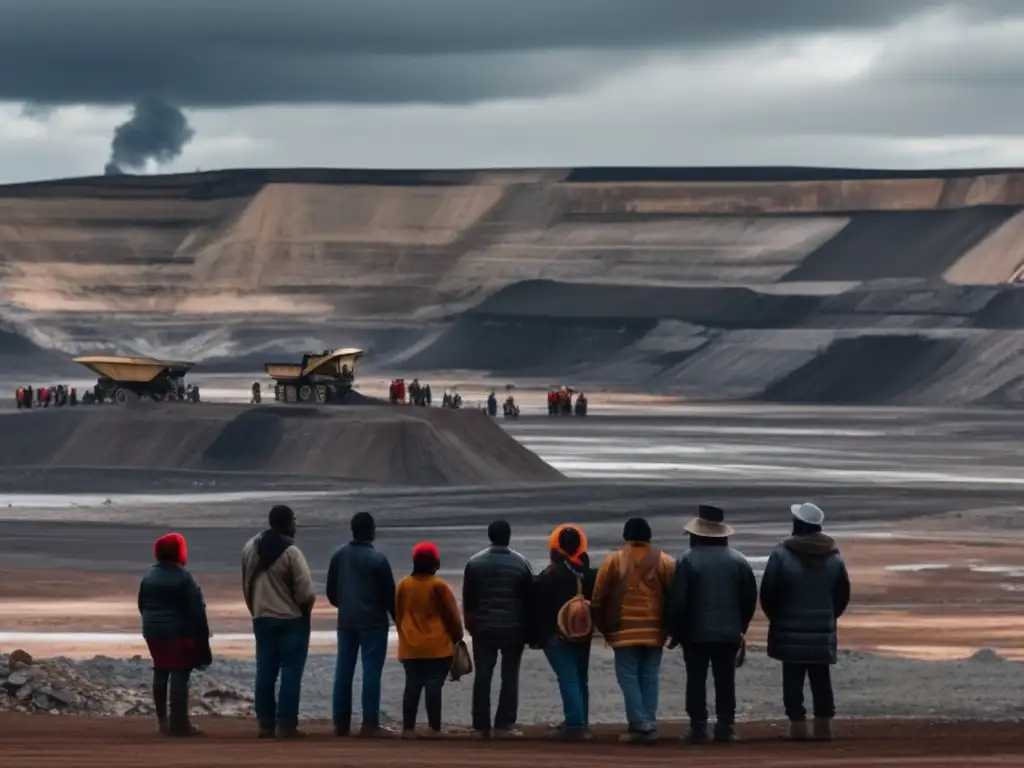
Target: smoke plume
156 131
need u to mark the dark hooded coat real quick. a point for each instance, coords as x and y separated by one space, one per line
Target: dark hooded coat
805 589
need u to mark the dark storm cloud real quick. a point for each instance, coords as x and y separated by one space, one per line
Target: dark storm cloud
239 52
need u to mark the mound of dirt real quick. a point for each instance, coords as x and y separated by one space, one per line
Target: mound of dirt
387 446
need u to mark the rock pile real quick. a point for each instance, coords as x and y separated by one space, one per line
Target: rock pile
100 687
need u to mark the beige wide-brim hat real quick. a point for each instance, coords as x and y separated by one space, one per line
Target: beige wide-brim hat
710 523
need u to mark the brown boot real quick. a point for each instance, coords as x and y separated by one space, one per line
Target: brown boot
798 730
822 729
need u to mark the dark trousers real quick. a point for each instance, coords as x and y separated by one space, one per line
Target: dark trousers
721 657
820 676
171 684
282 646
424 675
485 659
372 646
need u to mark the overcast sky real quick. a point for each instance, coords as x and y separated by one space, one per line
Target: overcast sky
459 83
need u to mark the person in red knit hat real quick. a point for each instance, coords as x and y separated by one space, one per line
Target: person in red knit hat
429 626
175 627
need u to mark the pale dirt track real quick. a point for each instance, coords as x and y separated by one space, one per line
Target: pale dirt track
85 742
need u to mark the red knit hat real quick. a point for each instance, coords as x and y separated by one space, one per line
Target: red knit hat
171 548
426 549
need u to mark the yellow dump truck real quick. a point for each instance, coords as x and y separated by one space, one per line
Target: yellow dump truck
123 378
320 378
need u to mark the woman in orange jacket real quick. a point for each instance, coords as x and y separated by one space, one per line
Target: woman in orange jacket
428 622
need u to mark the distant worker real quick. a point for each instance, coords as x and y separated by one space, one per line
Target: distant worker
426 395
97 392
195 393
581 404
18 394
73 396
401 390
415 393
510 409
552 402
256 396
492 404
393 391
26 396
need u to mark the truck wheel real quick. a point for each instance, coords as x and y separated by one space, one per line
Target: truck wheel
305 393
121 396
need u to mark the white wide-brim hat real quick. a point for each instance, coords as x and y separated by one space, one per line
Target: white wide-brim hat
808 513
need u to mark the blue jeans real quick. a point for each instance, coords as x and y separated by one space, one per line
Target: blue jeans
373 643
571 664
637 669
281 649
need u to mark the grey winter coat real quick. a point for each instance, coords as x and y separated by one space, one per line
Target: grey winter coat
713 596
805 589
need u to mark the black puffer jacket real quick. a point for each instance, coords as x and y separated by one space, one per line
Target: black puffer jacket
805 589
714 594
554 587
497 597
171 604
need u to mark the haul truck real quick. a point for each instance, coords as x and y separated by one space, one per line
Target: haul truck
320 378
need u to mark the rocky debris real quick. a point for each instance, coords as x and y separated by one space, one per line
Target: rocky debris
102 686
18 657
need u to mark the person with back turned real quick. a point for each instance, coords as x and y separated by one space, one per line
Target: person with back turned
710 606
361 585
629 610
278 590
176 630
805 589
565 627
497 600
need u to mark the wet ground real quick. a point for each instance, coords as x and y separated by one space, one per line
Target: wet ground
924 503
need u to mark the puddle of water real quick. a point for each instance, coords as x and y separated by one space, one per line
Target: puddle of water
916 567
1014 571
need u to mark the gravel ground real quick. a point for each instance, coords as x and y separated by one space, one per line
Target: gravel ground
983 687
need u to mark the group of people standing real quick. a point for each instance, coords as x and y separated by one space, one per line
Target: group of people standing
44 397
640 600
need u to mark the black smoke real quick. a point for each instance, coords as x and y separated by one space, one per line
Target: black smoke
156 131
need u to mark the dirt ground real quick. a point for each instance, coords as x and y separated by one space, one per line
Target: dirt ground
31 741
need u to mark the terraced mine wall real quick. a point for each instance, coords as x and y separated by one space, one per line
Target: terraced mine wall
708 283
